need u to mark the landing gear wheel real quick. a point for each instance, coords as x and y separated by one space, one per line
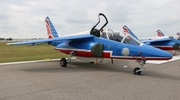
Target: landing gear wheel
91 62
63 62
136 71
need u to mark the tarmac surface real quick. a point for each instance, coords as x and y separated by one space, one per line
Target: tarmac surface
81 81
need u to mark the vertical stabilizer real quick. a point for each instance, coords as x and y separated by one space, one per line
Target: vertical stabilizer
51 31
178 34
159 33
126 30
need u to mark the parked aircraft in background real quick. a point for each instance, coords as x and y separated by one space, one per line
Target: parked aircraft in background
164 43
98 44
178 34
161 34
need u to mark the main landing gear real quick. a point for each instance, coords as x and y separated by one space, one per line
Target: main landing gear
63 61
137 70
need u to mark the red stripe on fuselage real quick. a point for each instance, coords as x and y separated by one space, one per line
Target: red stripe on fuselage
84 53
108 55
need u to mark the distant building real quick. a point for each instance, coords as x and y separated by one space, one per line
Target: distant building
17 40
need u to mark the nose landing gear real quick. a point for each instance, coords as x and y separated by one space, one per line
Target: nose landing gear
137 70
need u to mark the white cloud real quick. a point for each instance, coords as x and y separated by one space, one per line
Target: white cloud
25 18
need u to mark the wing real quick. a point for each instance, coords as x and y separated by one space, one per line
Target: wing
156 41
59 39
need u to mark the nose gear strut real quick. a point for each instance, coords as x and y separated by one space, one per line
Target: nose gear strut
137 70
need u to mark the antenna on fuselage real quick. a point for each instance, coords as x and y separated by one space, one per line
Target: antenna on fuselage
96 32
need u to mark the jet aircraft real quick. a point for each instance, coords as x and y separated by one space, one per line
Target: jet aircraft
165 43
98 44
161 34
178 34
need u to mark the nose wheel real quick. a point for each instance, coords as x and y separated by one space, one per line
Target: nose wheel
138 70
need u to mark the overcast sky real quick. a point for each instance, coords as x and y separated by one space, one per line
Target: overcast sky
25 18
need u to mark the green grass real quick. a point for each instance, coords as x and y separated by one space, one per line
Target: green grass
27 53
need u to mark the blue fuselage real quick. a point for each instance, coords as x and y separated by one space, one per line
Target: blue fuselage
111 49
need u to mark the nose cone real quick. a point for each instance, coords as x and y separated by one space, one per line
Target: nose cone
157 54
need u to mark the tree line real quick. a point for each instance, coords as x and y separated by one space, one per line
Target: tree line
8 39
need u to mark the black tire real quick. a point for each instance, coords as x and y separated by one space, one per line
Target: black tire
135 71
91 62
63 62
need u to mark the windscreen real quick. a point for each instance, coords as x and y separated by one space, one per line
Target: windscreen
110 34
115 35
128 39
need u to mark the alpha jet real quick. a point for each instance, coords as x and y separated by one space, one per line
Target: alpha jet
94 46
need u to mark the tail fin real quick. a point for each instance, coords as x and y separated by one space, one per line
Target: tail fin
159 33
126 30
178 33
51 31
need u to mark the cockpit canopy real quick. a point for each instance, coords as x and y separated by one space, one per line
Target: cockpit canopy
115 35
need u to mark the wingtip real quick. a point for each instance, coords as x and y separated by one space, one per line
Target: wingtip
9 44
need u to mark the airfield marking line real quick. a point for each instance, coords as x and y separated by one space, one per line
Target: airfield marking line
23 62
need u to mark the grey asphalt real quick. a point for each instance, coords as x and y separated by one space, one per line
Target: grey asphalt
81 81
